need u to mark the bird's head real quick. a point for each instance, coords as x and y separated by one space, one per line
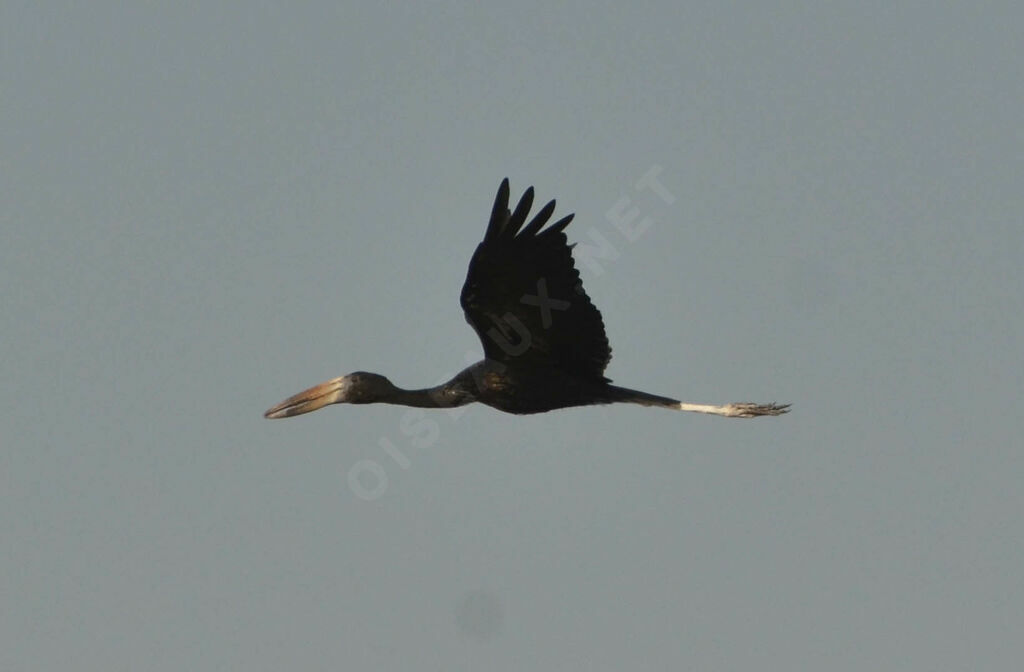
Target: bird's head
355 388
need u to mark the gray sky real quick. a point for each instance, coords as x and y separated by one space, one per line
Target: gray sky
207 209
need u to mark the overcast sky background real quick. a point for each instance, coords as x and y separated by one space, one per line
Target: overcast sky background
207 208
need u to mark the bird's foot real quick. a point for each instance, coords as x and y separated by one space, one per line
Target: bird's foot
745 410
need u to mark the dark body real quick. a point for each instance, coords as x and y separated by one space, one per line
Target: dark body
544 341
499 386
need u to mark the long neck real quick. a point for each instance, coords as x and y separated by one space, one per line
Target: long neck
446 395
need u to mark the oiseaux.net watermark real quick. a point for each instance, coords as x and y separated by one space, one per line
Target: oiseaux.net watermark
629 221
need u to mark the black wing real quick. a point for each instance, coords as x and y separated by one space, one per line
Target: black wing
524 298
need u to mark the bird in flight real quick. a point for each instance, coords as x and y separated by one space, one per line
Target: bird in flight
544 341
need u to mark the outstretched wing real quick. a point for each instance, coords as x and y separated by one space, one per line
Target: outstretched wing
524 298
